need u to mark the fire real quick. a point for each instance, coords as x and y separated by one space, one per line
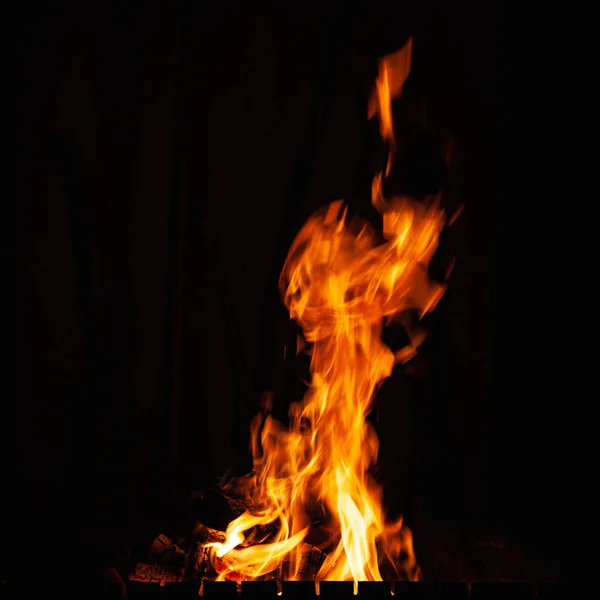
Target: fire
342 282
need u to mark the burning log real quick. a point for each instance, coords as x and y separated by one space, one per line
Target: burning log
201 559
200 563
213 535
203 534
145 573
224 566
171 563
310 562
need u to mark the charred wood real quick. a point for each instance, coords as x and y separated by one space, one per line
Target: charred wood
163 551
310 562
214 535
146 573
200 563
204 535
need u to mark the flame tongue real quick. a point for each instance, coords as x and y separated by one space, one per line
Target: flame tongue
341 284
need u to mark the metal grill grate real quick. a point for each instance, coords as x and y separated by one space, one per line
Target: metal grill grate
305 590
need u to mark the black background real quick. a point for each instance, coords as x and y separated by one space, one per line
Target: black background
166 159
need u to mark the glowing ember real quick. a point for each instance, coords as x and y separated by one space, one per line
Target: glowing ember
341 282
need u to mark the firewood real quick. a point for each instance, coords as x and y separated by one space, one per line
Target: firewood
203 535
164 551
214 535
200 563
310 562
146 573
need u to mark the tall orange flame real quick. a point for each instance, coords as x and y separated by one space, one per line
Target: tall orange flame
341 282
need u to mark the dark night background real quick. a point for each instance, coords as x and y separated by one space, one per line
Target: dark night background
166 160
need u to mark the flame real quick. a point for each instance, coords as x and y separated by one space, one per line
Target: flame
342 282
393 72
